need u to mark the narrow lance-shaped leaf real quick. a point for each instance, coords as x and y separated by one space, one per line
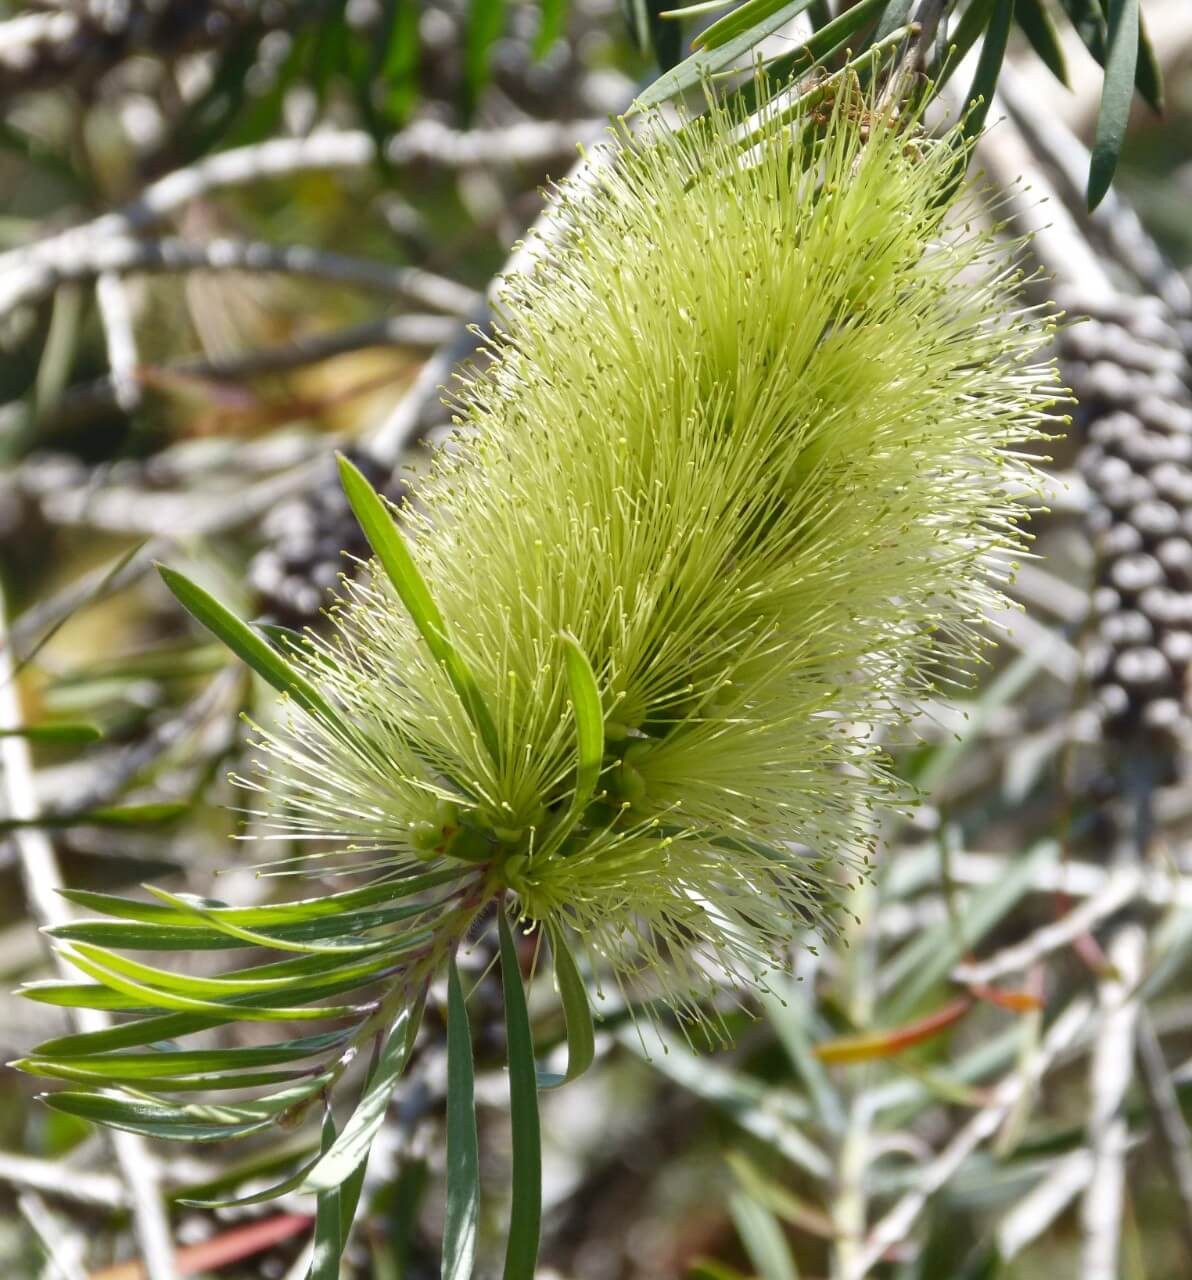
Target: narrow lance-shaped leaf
894 15
832 38
577 1012
228 1010
1088 21
763 1238
1121 60
329 1239
155 1119
521 1251
189 906
59 735
1037 26
186 936
282 913
463 1161
589 739
390 549
707 62
132 1066
351 1147
989 65
746 18
246 644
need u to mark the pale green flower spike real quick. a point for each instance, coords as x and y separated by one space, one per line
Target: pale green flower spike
744 445
737 487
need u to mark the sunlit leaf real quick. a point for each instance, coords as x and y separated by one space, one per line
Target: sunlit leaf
521 1250
463 1161
1117 92
350 1148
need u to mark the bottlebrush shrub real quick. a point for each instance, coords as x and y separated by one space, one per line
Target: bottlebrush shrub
733 492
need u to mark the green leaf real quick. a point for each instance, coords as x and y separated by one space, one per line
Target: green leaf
247 644
329 1234
278 978
156 1119
747 17
129 815
1121 62
332 905
225 1010
147 1030
1088 20
551 15
463 1160
763 1238
486 22
188 937
831 39
188 905
707 62
973 23
1039 29
77 995
577 1011
165 1084
168 1026
338 1163
989 66
894 15
164 1062
589 720
1148 78
521 1250
390 549
399 65
695 10
59 735
292 1183
589 739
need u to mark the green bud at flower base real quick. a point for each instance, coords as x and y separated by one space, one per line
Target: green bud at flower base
748 436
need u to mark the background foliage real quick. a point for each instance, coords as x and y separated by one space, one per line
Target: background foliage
989 1078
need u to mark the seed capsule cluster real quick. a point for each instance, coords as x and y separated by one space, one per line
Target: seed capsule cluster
1128 365
309 542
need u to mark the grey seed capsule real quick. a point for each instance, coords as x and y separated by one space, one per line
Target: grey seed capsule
1177 647
1112 701
1106 600
1161 605
1170 385
1135 573
1110 473
1153 328
1175 555
1126 629
1109 381
1162 714
1099 518
1097 655
1115 428
1164 414
1142 668
1173 482
1157 448
1121 540
1155 519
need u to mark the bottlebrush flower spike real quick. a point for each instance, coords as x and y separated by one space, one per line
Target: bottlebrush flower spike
738 481
745 446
